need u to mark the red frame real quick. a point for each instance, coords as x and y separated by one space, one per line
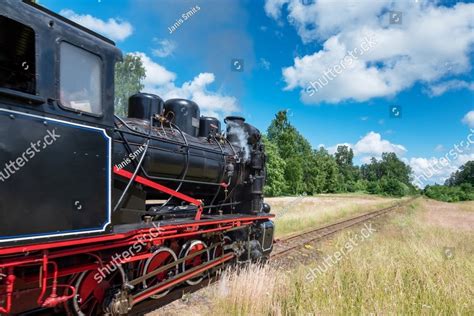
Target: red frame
53 252
50 253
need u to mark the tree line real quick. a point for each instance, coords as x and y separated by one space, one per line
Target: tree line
458 187
295 168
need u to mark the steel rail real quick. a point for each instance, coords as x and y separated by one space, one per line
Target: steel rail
327 230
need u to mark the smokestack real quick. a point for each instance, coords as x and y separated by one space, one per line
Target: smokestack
237 135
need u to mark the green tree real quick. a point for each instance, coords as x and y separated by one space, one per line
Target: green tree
289 141
295 168
129 76
389 176
294 176
459 186
393 187
392 167
344 155
294 149
349 173
465 174
325 172
371 171
275 168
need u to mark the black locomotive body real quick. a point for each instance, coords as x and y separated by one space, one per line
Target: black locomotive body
92 203
189 153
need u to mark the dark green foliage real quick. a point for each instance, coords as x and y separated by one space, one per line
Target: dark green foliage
465 174
388 176
276 184
294 176
373 187
129 76
459 187
293 148
294 168
325 171
361 185
393 187
464 192
389 166
348 173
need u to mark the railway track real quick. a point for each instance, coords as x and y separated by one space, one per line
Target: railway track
281 248
293 242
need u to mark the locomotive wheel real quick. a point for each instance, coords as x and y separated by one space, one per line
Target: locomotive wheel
161 257
91 293
217 252
189 248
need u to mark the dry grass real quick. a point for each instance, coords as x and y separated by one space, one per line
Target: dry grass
458 216
294 214
237 291
401 269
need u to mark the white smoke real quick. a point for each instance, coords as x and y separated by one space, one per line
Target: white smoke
242 138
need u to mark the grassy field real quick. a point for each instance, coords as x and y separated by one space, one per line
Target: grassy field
294 214
410 265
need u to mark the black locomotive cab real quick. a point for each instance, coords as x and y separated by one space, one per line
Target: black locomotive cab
56 125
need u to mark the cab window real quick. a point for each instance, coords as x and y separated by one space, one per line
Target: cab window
17 56
80 86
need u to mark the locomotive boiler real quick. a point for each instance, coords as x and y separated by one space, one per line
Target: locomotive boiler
191 154
100 213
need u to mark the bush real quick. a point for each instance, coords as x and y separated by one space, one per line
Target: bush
361 185
350 186
387 186
373 187
464 192
393 187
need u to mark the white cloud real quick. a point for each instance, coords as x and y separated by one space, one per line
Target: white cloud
439 89
156 75
114 29
421 49
272 7
430 170
166 48
161 81
436 170
468 119
371 145
425 170
211 103
463 158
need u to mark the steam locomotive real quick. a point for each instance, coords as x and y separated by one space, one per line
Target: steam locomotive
101 212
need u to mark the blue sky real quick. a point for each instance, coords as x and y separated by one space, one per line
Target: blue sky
422 65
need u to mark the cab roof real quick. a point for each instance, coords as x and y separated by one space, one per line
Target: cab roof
66 20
